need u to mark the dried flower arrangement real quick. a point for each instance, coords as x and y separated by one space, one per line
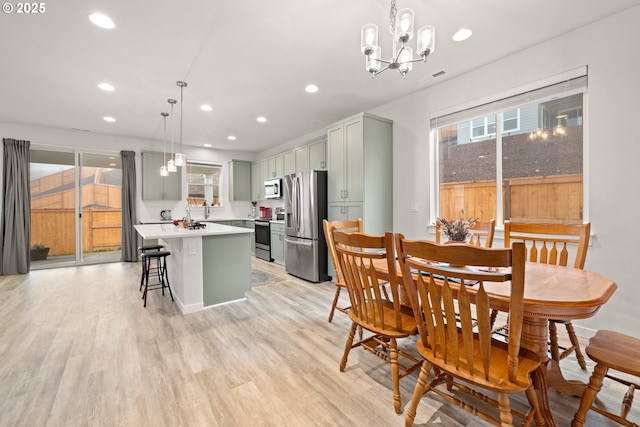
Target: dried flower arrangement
458 230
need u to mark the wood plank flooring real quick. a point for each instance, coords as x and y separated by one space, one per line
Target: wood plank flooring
77 348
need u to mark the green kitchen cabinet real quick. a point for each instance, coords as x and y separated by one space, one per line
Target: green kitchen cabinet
154 186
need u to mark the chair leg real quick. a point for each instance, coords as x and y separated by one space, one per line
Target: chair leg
143 273
347 346
147 266
504 405
335 303
576 346
166 278
395 375
418 391
532 397
594 386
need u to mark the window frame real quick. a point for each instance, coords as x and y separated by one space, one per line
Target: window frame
564 85
215 201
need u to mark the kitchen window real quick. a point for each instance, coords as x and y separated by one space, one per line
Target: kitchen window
530 168
203 183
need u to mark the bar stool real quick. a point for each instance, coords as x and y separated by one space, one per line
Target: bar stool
160 268
142 250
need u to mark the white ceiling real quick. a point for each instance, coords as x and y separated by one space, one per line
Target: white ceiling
245 58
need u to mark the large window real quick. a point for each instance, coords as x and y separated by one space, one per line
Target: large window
527 169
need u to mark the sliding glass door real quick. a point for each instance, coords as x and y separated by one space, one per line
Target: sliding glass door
76 212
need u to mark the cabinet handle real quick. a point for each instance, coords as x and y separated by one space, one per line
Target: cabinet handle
323 164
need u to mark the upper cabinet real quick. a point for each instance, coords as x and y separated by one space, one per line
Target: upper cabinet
156 187
256 184
239 180
289 160
318 154
275 166
308 156
360 165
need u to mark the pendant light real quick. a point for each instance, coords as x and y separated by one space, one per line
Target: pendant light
171 164
180 157
163 168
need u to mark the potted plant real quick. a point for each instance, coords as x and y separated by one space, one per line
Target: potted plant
38 252
458 230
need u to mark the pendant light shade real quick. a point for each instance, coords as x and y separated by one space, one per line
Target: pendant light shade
171 164
180 159
163 169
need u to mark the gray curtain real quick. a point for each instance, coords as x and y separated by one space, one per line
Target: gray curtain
129 234
16 209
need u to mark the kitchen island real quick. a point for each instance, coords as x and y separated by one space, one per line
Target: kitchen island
207 266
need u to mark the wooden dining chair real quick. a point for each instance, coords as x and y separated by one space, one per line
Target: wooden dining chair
380 314
548 244
611 351
338 281
483 232
452 310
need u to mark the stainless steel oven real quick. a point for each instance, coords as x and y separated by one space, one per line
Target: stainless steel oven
263 239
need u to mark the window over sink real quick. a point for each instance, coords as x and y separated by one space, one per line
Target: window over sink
203 183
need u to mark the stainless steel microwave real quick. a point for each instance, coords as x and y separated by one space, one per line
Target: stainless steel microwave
273 189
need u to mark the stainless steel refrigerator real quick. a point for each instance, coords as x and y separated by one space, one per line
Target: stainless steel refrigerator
305 206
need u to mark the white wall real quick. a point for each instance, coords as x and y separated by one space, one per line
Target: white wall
147 210
611 171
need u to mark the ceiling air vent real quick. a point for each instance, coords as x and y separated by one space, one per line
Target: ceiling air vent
439 73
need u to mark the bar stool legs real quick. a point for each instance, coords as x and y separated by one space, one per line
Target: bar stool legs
161 270
143 250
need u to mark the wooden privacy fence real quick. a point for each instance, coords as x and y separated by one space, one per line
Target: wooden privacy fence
553 199
101 230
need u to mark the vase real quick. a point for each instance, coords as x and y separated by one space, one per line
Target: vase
464 242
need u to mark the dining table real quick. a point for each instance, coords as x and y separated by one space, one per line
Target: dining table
550 292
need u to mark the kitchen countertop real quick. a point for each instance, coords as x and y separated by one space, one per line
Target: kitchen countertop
277 221
170 231
169 221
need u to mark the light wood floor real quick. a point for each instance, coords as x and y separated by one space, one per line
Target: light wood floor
78 349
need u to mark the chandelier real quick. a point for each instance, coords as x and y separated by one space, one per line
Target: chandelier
401 27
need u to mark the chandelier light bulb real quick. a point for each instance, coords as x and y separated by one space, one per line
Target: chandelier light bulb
404 26
368 38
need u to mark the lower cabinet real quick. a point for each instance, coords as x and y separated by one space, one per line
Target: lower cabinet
277 242
342 211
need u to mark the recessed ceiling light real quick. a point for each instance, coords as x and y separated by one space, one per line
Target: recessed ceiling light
462 34
107 87
231 138
206 107
262 119
311 88
109 119
102 21
112 164
207 145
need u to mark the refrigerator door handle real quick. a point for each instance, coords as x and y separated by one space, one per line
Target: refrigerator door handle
299 242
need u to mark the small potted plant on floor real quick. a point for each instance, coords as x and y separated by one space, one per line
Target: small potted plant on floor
38 252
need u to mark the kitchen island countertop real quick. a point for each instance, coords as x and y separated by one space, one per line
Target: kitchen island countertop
170 231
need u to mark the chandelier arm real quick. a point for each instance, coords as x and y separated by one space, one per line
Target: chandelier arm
385 61
398 53
384 69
